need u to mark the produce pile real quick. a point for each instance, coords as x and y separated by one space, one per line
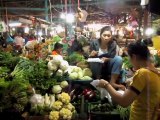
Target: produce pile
62 108
56 104
35 72
13 95
20 76
61 67
39 85
107 108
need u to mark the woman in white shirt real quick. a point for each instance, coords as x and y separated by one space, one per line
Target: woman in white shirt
106 49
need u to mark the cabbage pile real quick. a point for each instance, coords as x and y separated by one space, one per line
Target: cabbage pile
76 73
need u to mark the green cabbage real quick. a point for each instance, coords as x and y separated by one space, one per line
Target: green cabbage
87 72
56 89
86 78
64 84
73 76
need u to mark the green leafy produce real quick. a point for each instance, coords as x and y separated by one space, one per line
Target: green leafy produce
15 96
23 69
106 107
3 86
75 58
124 112
157 60
126 63
8 59
4 71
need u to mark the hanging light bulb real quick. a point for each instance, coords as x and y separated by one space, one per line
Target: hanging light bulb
69 18
26 30
62 16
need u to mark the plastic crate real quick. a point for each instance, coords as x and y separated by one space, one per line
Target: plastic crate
99 114
104 116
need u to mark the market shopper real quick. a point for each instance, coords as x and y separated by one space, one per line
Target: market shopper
107 49
19 41
58 47
144 92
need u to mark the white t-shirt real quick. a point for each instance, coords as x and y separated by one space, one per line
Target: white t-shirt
102 51
19 41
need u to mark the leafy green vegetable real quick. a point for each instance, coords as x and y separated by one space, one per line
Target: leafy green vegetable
157 60
8 60
126 63
4 71
75 58
15 96
101 107
124 112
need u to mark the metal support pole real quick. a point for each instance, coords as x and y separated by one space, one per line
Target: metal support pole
145 19
46 10
17 8
66 32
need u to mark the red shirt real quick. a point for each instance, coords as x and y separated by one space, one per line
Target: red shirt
54 52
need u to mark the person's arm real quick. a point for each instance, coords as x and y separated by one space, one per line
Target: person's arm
130 94
124 100
113 82
93 49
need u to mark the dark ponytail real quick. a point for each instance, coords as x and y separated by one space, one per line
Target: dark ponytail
140 49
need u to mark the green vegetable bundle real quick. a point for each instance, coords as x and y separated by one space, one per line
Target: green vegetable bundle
15 96
75 57
124 112
126 63
8 60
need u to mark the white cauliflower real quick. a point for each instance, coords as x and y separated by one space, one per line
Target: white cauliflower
64 65
52 66
59 72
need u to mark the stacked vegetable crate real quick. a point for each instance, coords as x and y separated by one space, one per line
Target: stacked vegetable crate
103 111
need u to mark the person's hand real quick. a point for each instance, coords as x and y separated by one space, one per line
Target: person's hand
105 59
102 83
93 53
122 87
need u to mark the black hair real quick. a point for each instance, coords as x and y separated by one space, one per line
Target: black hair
106 28
147 41
140 49
76 46
57 46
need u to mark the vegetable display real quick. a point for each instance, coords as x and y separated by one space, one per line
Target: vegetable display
15 96
62 108
42 86
78 73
